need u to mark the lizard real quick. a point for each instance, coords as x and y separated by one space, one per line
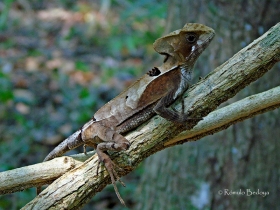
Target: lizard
152 94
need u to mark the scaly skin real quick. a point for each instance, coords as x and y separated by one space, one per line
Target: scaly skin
148 96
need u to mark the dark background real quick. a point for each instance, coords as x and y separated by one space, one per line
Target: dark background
62 60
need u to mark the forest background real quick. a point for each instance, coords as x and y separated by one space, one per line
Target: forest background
62 60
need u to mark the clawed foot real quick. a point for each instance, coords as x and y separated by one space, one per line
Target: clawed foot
110 166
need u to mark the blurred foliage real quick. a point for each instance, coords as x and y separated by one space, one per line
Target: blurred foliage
60 61
4 14
6 92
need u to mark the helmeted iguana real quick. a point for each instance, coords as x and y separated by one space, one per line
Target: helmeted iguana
150 95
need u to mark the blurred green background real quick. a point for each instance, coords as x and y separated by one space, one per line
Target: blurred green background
61 60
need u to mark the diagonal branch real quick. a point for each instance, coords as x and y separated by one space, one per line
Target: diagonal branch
25 177
223 118
77 186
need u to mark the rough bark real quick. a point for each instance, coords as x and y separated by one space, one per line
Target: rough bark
36 175
46 172
224 117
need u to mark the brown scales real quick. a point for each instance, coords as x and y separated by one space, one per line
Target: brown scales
148 96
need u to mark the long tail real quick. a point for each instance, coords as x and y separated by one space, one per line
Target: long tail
73 141
68 144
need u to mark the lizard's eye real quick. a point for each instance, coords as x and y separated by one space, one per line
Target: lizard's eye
191 38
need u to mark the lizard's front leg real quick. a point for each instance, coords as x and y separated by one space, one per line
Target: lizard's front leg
111 141
161 108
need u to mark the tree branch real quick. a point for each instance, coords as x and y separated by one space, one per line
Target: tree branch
222 118
77 186
39 174
26 177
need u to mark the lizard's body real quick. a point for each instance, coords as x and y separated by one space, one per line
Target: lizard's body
148 96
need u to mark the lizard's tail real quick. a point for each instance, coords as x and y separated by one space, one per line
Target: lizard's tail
73 141
68 144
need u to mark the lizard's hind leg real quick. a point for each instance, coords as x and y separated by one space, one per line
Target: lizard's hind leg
112 141
120 143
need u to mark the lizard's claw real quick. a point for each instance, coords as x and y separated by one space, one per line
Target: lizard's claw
111 170
110 166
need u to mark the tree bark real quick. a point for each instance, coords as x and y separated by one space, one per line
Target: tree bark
46 172
77 186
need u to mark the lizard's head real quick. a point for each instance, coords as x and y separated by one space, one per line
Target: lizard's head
184 44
